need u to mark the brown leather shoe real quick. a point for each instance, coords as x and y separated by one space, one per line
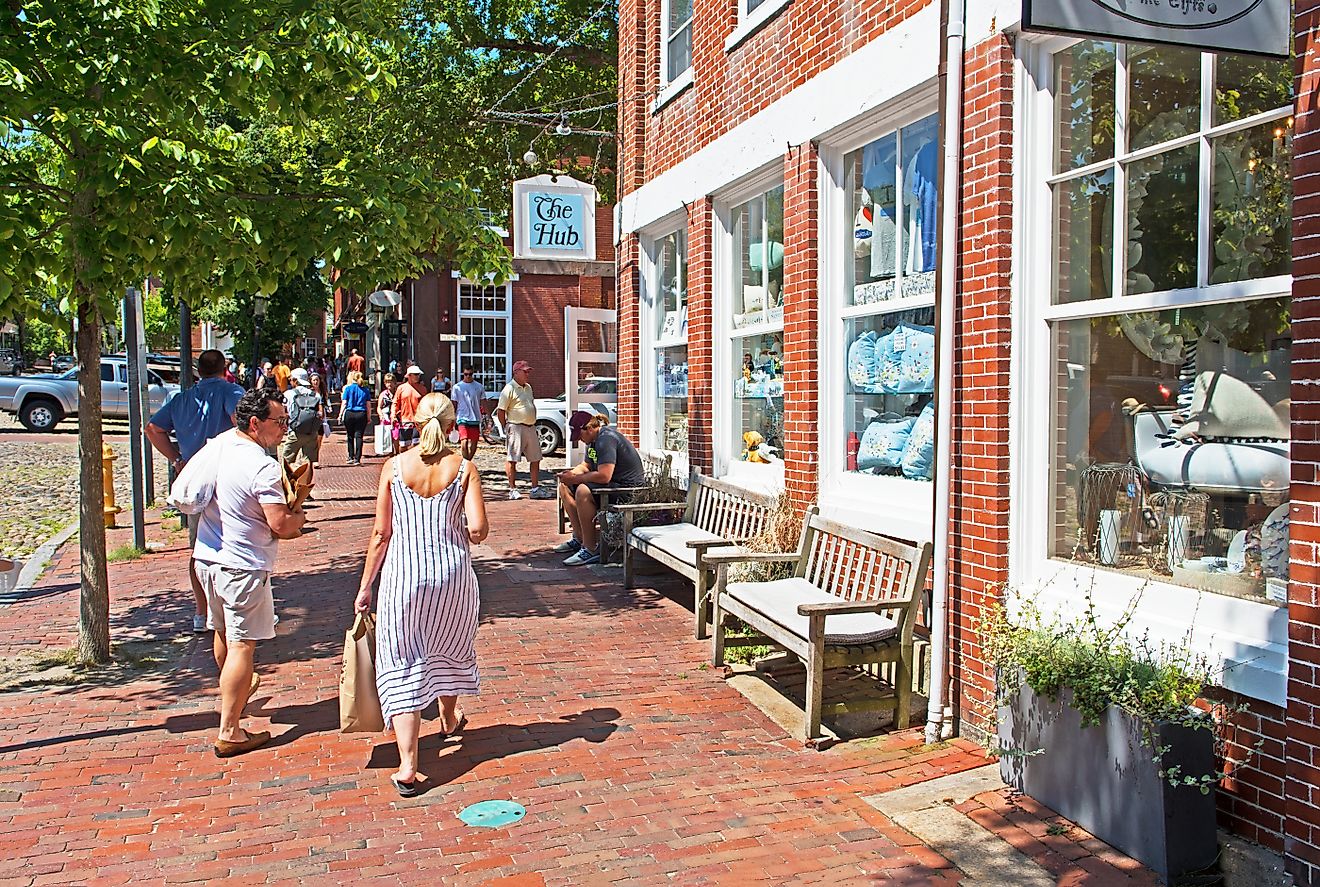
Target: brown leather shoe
226 749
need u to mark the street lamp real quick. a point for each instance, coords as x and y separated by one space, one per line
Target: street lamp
259 302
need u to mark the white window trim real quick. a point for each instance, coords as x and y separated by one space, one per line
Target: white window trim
893 506
671 87
507 315
763 478
650 344
751 22
1249 638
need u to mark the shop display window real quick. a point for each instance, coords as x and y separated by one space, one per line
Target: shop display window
758 249
892 205
1169 421
670 343
889 408
1171 445
1206 189
758 397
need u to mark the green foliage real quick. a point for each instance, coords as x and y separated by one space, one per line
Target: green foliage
289 311
127 552
1102 666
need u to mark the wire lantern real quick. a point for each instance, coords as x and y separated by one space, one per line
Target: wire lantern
1182 518
1111 526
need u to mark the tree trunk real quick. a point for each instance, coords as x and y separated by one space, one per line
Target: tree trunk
94 603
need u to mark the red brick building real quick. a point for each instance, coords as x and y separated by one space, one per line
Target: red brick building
446 321
1133 333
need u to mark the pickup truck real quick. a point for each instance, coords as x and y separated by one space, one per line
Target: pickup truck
43 400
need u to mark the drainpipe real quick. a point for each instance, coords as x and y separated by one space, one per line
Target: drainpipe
952 16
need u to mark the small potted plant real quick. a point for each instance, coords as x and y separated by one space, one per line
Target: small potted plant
1110 732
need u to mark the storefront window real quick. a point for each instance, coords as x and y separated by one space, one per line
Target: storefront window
1206 195
758 397
1170 427
758 249
889 322
670 338
892 198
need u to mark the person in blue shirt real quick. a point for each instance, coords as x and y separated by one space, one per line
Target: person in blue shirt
355 415
195 416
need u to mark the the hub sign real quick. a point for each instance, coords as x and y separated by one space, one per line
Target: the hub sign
554 218
1262 27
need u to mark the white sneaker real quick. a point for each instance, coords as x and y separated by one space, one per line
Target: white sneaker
568 546
199 623
514 494
542 493
580 557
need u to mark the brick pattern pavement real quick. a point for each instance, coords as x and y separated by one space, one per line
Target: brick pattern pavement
636 763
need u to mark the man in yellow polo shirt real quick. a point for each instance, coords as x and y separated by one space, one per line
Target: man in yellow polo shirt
516 411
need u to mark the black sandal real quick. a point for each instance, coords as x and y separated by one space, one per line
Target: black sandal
407 789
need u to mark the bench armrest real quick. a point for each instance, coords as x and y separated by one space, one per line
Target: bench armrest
649 506
833 607
703 544
742 555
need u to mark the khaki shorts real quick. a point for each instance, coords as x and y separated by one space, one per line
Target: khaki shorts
296 445
238 602
524 443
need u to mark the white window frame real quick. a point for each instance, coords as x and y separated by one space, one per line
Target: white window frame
724 266
751 21
465 355
309 344
672 86
650 341
894 506
1249 638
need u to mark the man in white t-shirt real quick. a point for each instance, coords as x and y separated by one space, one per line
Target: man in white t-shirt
467 396
235 555
516 411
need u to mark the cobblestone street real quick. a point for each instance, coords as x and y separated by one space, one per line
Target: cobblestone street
636 762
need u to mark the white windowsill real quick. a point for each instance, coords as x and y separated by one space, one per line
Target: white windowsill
753 22
670 90
890 506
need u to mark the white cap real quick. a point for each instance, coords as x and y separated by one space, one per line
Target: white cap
413 369
299 375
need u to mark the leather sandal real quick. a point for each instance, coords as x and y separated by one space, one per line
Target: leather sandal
226 749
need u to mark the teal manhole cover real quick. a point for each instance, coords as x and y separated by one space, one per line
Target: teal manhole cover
492 814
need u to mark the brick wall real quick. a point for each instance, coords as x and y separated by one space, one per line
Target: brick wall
801 323
701 339
630 381
980 481
1302 788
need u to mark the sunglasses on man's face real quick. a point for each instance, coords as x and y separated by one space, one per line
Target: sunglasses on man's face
282 421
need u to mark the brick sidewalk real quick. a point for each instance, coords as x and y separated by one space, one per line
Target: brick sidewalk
636 763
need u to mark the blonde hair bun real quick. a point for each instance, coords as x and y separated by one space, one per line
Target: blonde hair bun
435 418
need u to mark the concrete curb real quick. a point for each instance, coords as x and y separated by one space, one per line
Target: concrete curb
40 559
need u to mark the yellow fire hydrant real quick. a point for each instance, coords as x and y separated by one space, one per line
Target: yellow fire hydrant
108 479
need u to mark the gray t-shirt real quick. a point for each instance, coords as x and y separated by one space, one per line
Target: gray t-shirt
612 448
467 402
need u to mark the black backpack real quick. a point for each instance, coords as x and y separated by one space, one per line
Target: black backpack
303 418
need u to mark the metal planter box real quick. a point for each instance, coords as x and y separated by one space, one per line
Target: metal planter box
1104 779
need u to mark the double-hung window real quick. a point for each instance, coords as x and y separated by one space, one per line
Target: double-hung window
1154 391
676 40
484 322
668 339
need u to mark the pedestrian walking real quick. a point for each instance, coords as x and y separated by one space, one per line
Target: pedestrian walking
306 411
385 412
429 510
611 461
317 383
356 363
236 546
284 372
406 399
355 415
440 383
467 396
516 412
194 417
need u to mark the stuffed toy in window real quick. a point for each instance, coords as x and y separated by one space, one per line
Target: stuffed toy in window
755 449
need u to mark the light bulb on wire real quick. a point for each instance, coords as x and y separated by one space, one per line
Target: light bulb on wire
562 128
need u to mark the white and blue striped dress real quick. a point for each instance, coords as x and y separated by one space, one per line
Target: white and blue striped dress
427 607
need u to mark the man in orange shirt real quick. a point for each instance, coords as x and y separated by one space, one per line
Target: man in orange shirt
356 363
282 371
406 399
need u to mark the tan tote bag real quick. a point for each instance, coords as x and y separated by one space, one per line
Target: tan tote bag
359 705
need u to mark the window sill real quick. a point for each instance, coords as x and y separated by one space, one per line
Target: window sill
891 506
753 22
670 90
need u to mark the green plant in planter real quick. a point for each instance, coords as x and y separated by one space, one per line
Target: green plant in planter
1102 667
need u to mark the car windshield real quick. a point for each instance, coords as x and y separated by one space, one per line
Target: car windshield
70 374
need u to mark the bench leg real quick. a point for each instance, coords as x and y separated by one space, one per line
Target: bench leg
702 597
903 690
627 564
815 679
563 519
717 617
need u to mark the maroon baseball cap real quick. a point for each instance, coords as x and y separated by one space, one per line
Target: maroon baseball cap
521 365
576 423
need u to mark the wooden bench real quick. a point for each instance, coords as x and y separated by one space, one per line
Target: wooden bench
852 600
715 514
656 469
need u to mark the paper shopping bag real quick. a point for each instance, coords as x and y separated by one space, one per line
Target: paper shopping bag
382 441
359 706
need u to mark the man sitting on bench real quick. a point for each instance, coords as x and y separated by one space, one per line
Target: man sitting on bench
612 461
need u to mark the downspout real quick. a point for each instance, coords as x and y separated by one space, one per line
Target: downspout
952 16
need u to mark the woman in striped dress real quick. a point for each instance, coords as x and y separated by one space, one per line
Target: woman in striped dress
428 510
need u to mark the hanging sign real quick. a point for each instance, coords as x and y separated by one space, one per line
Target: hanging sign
554 217
1261 27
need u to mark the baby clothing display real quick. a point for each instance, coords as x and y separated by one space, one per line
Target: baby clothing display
899 362
918 461
883 444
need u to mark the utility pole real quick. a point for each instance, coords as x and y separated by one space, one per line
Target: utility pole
185 346
135 431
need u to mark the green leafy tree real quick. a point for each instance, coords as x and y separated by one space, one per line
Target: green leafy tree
134 140
289 310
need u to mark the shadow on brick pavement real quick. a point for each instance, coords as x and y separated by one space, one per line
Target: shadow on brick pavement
635 761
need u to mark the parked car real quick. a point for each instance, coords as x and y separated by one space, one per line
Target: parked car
11 362
44 400
551 412
64 363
